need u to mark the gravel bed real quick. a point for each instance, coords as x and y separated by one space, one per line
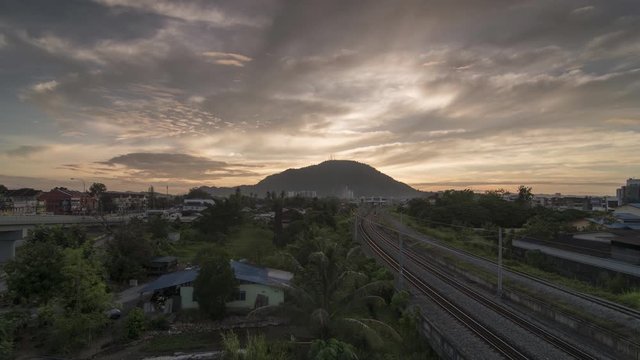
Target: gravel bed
458 335
527 342
592 309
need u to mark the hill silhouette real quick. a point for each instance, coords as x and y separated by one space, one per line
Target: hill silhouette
329 178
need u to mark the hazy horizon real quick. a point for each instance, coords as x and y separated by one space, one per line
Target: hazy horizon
473 94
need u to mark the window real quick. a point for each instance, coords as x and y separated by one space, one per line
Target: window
239 295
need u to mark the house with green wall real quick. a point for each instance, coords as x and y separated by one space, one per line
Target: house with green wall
257 287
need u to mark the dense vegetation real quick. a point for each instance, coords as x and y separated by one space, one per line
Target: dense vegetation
344 301
56 284
464 208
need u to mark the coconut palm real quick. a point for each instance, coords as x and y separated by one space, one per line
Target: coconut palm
336 301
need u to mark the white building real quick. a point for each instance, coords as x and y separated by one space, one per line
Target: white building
196 205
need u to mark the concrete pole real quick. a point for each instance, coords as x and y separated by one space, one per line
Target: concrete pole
500 262
355 228
401 262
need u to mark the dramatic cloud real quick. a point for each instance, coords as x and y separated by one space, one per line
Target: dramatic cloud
25 150
174 166
432 92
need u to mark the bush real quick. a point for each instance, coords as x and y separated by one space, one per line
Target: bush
70 332
331 350
160 323
6 338
136 324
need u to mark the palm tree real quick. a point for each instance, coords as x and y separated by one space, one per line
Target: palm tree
336 301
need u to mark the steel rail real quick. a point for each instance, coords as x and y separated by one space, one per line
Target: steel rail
483 332
531 327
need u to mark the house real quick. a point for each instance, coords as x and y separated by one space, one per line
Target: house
126 201
22 202
62 201
257 286
162 265
191 206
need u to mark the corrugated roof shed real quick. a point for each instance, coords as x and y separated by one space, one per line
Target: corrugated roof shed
172 279
243 271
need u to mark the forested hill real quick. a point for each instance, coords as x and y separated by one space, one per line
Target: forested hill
330 178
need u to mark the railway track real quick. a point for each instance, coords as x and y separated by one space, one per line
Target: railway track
500 345
594 299
371 232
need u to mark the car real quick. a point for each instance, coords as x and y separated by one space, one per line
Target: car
114 313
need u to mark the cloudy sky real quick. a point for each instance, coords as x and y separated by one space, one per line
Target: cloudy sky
438 94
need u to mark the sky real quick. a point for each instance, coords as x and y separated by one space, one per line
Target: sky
479 94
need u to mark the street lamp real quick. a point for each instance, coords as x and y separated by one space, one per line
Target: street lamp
84 186
84 191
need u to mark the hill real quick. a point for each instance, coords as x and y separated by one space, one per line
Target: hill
329 178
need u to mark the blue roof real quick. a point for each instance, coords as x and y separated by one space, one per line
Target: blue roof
172 279
243 271
626 216
630 226
256 274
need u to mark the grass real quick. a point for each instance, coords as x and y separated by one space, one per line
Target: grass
483 248
248 241
181 342
569 309
186 251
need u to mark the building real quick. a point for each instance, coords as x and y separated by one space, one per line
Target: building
124 202
629 193
22 202
310 194
62 201
257 287
162 265
196 205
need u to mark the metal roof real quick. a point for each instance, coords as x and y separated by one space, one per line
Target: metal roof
626 216
259 275
164 259
243 271
172 279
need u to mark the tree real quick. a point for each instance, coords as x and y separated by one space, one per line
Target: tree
76 314
197 193
329 293
82 290
215 284
524 194
3 189
158 227
97 189
128 252
36 272
219 218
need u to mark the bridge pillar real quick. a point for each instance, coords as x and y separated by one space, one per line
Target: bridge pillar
8 240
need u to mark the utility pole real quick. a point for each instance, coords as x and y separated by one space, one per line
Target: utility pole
401 257
500 262
355 228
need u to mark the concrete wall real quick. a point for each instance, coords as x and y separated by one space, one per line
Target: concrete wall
275 296
186 294
8 239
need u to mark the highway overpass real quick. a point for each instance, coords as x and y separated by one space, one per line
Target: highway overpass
13 229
